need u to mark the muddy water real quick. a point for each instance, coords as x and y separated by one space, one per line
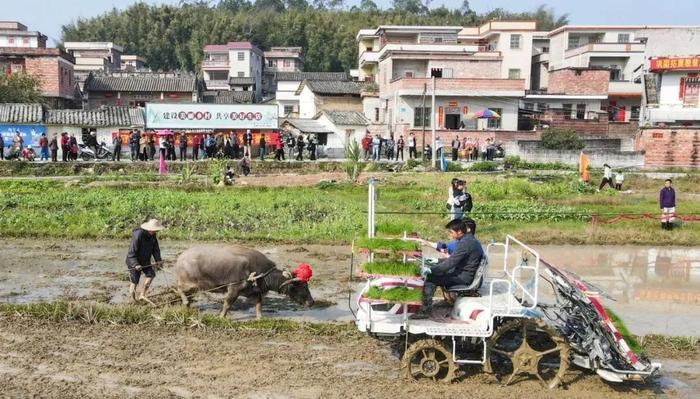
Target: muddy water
657 290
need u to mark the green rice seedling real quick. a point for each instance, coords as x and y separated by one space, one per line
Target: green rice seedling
398 294
391 268
394 228
387 244
624 331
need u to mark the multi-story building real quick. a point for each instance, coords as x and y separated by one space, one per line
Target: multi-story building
615 48
126 89
233 66
284 59
94 57
15 34
132 63
287 84
474 69
53 67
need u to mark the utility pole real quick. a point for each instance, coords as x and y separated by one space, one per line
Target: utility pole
433 124
422 117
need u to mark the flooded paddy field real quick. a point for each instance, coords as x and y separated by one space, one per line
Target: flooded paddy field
657 291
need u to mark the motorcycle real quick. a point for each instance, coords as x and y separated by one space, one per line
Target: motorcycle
88 153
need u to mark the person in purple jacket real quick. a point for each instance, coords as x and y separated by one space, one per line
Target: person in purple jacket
667 203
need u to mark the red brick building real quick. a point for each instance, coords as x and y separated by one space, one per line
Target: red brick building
53 67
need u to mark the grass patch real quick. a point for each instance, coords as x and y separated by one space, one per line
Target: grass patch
399 294
394 228
665 346
168 316
388 268
394 245
624 331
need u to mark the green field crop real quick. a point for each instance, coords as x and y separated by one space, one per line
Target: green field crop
389 268
398 295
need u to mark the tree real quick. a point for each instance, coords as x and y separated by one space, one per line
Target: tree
368 6
465 9
19 88
274 5
410 6
235 5
296 4
547 19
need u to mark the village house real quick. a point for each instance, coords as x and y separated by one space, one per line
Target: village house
133 63
94 57
320 95
287 84
15 34
135 89
236 66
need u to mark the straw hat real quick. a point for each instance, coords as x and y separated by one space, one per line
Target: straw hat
152 225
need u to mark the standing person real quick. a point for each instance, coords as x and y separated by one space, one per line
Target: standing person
262 143
134 145
667 203
247 142
43 148
53 146
228 147
195 147
300 148
456 144
312 147
390 148
143 247
163 147
438 147
365 143
183 147
291 144
143 147
460 201
117 150
607 177
619 179
73 142
151 146
376 143
245 165
92 143
484 149
203 145
279 149
65 146
412 146
235 146
399 148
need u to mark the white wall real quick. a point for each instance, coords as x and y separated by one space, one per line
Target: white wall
509 116
337 140
369 105
307 104
670 87
19 41
516 58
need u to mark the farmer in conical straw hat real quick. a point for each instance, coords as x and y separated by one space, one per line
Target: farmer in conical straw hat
144 246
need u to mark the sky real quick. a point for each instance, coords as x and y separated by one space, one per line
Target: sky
47 16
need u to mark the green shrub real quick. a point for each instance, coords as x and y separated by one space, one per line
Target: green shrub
559 139
515 162
413 162
454 167
484 166
353 161
391 268
399 294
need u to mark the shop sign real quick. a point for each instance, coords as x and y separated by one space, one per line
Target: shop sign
675 64
211 116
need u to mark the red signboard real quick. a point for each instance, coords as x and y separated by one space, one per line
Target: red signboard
675 64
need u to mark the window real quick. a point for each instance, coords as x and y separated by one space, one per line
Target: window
408 74
241 56
635 113
573 42
287 63
376 114
514 74
11 40
515 42
615 73
25 40
241 74
447 73
436 72
16 68
623 38
495 123
529 106
437 40
541 106
417 113
270 63
545 50
369 49
580 111
288 109
567 110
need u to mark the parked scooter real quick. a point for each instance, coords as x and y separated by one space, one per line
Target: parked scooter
88 153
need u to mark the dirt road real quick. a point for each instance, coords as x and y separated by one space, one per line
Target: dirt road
73 360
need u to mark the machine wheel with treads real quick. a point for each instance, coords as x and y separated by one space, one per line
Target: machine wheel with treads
527 346
428 359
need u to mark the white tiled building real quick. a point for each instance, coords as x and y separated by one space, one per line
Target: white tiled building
233 66
15 34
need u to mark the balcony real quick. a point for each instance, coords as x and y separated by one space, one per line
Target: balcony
457 87
672 114
217 84
605 48
430 48
624 87
215 64
369 57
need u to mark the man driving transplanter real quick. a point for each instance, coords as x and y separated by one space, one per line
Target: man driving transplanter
458 269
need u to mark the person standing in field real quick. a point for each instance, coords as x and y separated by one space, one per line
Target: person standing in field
607 177
291 145
399 147
247 142
619 179
183 147
667 203
44 148
412 146
53 146
143 247
365 144
117 150
456 144
300 148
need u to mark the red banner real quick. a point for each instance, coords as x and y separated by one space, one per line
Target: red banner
675 64
441 113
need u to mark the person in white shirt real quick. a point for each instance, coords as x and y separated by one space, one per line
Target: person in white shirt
619 179
607 177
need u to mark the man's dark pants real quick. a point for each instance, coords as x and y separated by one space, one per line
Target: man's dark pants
135 275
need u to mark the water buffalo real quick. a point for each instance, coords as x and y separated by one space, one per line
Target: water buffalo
228 269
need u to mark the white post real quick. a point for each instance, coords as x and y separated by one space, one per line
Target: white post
433 124
370 208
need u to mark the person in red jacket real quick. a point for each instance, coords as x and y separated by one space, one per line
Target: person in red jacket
366 142
65 148
279 149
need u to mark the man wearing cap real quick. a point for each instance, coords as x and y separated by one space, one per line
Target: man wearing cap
144 246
